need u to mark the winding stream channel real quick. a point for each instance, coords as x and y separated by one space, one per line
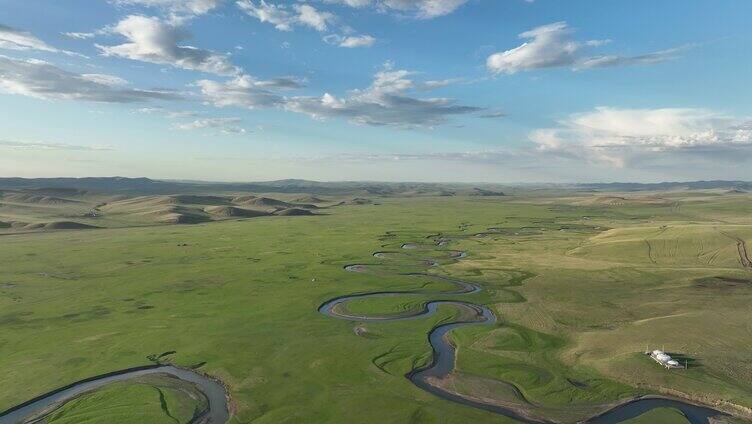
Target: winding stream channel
444 353
34 410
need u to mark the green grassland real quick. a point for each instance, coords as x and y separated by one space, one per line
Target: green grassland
146 400
581 284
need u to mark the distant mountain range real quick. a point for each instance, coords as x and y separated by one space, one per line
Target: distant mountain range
689 185
149 186
104 184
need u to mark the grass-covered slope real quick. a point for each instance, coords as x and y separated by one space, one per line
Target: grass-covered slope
682 245
150 400
37 210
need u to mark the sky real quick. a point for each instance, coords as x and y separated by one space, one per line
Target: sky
502 91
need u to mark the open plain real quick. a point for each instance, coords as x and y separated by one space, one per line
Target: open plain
579 283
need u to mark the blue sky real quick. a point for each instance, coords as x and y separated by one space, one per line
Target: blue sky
430 90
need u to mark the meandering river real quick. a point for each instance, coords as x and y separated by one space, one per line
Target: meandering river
217 411
444 353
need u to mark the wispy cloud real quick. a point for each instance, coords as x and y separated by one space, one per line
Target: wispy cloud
554 45
224 125
172 114
489 157
15 39
37 145
80 35
39 79
494 115
606 61
246 91
420 9
387 102
188 120
350 41
177 10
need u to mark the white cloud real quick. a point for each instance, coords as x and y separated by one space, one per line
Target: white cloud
105 79
279 83
80 35
15 39
421 9
42 80
434 84
623 137
284 18
310 16
278 16
553 45
387 102
606 61
171 114
350 41
246 91
152 40
225 125
39 145
491 157
179 10
549 46
426 9
149 110
188 120
351 3
493 115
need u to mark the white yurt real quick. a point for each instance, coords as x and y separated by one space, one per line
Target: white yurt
662 357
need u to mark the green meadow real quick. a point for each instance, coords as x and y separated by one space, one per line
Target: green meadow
145 400
581 284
